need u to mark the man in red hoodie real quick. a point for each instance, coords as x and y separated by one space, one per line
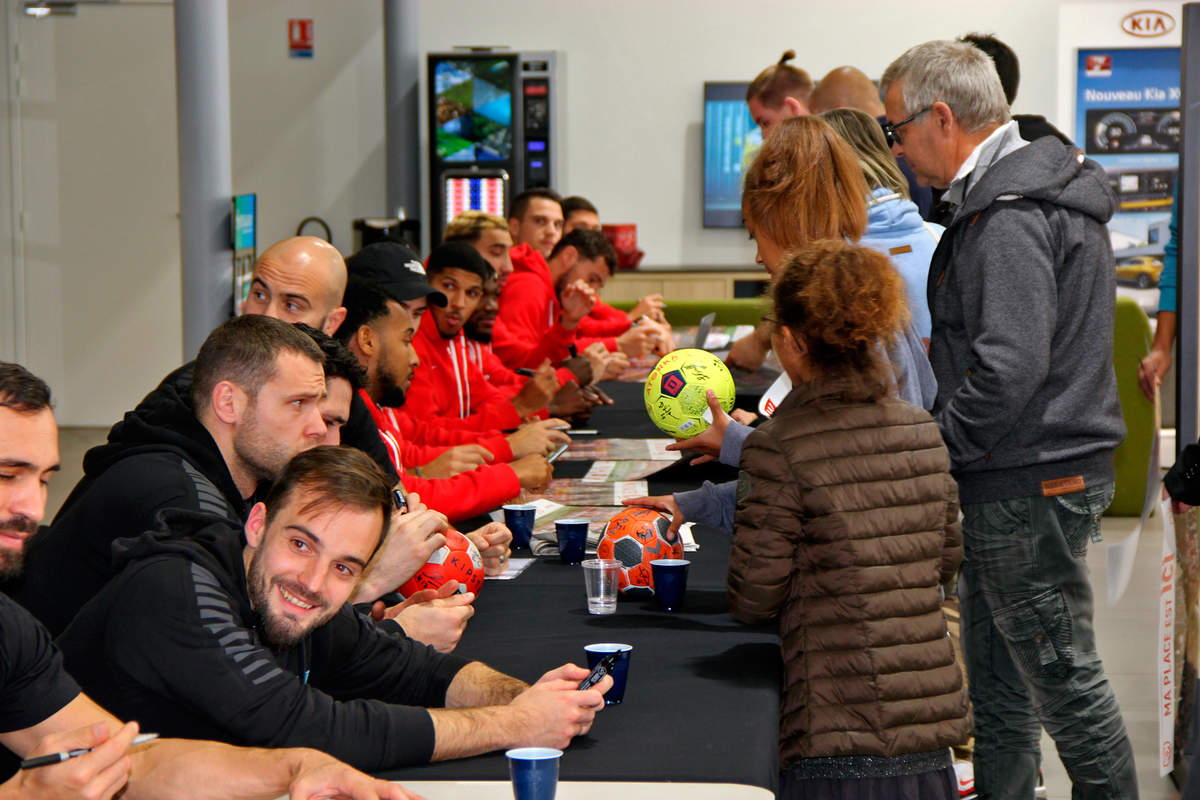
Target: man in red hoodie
544 302
446 383
379 331
606 321
537 221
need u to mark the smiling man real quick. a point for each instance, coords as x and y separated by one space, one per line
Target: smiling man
251 641
252 405
41 707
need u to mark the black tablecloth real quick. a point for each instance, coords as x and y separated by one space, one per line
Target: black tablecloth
702 701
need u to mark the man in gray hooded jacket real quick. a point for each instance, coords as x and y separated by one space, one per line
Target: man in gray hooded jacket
1021 290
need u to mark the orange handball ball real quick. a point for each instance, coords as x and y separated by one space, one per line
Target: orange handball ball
635 537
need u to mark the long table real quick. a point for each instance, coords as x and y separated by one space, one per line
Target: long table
702 701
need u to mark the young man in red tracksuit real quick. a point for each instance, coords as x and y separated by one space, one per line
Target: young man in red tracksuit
543 302
379 330
536 221
446 383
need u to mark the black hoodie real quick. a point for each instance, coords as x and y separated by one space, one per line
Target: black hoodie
173 642
159 456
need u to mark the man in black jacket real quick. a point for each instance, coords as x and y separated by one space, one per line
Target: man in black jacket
42 710
250 641
250 406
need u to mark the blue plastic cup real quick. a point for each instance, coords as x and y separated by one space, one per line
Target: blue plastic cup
534 772
670 582
620 671
572 539
519 519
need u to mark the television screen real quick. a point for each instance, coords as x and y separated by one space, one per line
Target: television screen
474 108
731 140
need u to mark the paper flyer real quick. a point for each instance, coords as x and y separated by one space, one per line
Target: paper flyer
608 493
620 450
602 471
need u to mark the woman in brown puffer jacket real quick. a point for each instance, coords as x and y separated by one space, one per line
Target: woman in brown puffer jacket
846 527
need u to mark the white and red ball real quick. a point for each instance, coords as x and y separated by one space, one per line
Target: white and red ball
635 537
457 560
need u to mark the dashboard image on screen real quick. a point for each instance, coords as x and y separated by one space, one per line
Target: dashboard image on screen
731 140
474 100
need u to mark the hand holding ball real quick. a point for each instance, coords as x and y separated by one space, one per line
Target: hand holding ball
676 391
458 560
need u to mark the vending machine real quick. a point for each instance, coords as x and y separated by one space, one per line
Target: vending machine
493 129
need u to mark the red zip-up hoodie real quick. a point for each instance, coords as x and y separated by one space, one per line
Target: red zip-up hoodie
603 323
463 496
448 384
528 330
428 438
493 370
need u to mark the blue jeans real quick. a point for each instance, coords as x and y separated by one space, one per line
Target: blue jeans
1030 648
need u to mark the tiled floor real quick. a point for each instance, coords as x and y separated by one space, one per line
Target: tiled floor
1126 633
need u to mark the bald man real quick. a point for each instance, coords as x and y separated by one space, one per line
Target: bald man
301 279
848 87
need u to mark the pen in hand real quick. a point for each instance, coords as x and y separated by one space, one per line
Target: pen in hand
58 758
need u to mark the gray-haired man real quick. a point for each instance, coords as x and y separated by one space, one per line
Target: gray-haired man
1022 297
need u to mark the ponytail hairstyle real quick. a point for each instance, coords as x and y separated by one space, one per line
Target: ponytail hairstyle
778 81
845 303
805 184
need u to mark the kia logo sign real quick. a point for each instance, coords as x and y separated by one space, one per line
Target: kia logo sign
1148 23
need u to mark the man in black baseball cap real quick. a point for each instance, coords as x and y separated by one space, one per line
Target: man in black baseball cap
397 272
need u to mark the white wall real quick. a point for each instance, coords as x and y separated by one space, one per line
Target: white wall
636 69
100 196
308 134
100 166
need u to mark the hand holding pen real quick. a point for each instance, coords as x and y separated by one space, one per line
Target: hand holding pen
86 762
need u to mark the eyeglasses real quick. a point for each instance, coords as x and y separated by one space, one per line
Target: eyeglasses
770 320
892 131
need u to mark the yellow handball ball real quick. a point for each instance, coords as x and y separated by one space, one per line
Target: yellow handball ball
676 391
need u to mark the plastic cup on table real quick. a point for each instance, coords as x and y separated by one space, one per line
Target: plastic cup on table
619 672
600 579
518 517
670 582
534 772
572 539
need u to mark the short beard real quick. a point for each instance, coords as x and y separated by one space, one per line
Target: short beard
391 394
278 633
263 456
475 334
12 562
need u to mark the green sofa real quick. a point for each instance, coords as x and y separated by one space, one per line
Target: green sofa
682 313
1131 342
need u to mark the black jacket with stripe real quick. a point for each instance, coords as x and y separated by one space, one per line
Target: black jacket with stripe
173 642
159 456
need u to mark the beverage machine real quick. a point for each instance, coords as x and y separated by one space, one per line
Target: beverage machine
493 129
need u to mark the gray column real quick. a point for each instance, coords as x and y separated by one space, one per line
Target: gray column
205 166
401 86
1188 302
